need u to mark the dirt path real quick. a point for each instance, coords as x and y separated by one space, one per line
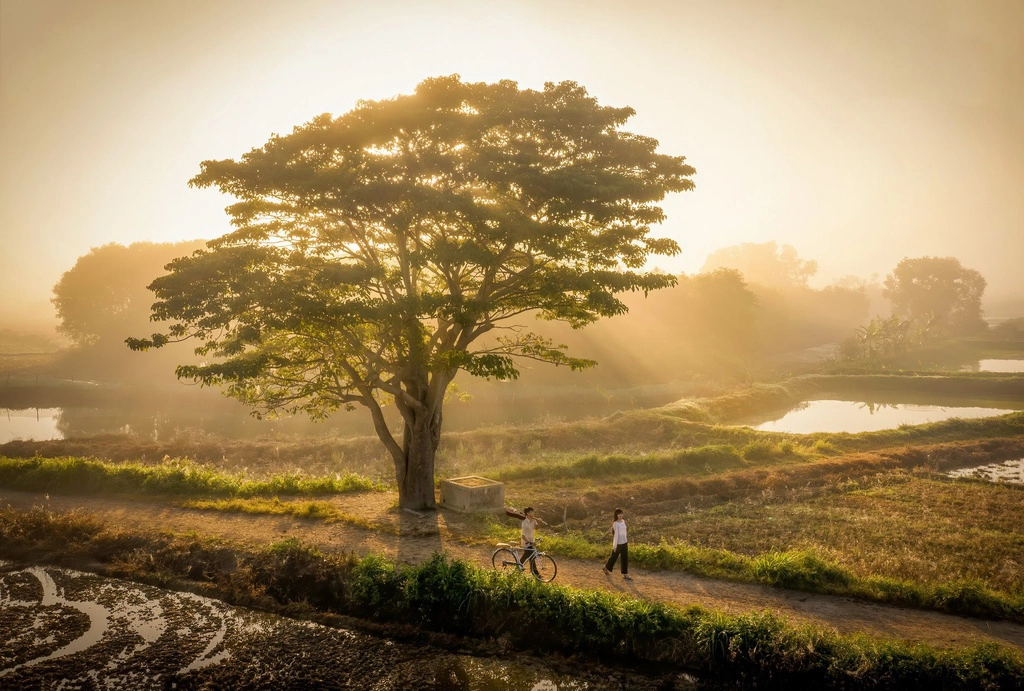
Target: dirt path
421 537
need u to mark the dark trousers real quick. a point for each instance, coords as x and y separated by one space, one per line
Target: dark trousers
529 554
622 550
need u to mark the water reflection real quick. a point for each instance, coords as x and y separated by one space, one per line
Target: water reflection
160 418
859 416
995 365
1007 471
32 423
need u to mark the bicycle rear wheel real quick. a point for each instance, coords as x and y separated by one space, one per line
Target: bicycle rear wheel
544 568
504 560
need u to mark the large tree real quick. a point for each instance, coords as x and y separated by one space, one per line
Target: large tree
379 253
937 292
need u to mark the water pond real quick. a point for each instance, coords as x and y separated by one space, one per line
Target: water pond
1011 472
996 365
859 416
33 423
67 629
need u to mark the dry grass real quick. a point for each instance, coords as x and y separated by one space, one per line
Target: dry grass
918 528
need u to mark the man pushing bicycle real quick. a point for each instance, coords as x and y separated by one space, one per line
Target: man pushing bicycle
527 537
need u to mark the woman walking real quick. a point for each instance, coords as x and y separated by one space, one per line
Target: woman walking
620 546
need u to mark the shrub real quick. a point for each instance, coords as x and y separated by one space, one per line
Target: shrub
759 451
803 570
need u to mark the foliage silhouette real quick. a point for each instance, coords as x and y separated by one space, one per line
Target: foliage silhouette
939 292
379 253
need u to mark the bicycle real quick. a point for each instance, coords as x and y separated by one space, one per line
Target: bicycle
508 558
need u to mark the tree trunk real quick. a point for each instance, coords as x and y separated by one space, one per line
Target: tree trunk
415 472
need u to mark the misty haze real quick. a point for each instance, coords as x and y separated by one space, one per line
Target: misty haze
542 346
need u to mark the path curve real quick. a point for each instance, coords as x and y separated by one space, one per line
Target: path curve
421 537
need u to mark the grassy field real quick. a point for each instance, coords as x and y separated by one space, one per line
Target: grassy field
868 515
906 536
454 597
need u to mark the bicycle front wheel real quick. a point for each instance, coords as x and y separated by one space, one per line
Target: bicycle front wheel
504 560
544 568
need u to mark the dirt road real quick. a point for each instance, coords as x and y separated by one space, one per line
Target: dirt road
418 538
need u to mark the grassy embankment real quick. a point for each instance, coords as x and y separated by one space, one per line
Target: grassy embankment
451 596
171 478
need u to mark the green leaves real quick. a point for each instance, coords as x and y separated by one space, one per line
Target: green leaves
375 252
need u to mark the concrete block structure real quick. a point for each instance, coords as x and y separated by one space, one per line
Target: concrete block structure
472 493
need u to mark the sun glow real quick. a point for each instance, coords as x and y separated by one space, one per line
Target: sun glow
852 170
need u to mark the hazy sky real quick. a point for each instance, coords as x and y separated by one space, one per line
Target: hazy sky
858 131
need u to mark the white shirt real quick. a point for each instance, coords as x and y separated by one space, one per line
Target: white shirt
618 533
528 528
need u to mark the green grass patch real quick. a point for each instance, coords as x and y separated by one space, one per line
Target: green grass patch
77 475
709 449
703 459
451 596
320 510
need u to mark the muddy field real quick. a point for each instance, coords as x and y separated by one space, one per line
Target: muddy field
72 630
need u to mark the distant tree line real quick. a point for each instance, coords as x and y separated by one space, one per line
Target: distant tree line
718 322
933 300
103 299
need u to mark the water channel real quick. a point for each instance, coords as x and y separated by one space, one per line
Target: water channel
66 629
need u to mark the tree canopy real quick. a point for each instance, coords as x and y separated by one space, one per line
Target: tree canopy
103 297
939 292
377 254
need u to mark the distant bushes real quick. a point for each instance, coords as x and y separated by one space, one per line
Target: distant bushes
446 595
176 477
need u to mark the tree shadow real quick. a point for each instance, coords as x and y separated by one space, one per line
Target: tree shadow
419 535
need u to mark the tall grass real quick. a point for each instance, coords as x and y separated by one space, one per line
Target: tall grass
451 596
175 478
